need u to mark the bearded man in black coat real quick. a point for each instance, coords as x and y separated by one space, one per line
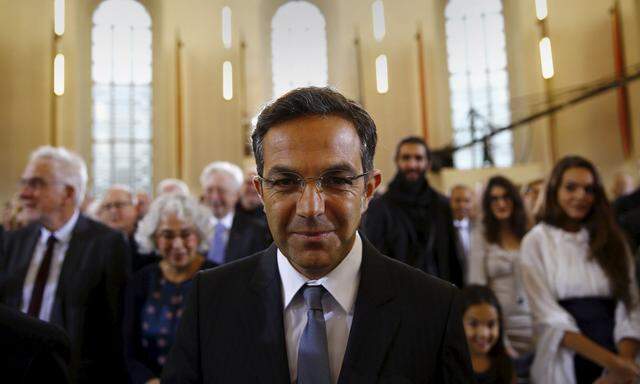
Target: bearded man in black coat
412 222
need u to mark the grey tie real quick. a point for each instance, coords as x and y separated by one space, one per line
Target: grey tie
313 358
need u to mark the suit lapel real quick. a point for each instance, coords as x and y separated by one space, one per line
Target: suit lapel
70 266
235 241
266 321
374 321
22 260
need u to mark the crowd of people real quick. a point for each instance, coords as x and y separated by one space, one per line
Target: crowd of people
547 270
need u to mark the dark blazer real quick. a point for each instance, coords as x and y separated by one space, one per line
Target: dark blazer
407 327
88 298
392 232
141 285
247 236
32 351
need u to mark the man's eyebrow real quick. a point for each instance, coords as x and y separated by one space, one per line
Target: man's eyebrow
341 166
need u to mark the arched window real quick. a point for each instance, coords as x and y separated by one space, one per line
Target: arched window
298 47
478 80
121 73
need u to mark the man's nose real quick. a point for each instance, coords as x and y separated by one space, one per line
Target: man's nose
311 201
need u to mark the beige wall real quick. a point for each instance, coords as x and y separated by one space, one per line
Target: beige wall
213 127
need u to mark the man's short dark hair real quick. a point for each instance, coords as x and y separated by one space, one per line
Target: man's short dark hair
315 101
413 140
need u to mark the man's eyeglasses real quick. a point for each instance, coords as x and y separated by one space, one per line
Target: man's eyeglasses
116 205
34 183
168 235
332 181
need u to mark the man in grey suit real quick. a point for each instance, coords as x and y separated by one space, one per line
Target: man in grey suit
67 269
321 305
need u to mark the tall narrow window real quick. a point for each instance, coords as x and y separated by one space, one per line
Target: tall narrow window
478 81
382 74
377 12
298 47
121 73
226 27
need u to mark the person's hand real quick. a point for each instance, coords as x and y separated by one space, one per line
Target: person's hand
155 380
621 371
511 352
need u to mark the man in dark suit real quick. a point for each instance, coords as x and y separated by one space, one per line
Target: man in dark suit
412 222
236 234
65 268
32 351
321 305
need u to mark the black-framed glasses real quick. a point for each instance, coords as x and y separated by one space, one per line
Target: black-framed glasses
331 181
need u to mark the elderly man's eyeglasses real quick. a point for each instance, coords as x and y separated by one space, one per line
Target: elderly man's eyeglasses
116 205
35 183
332 181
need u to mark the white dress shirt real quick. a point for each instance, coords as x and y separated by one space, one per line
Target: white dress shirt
556 265
63 237
338 306
464 231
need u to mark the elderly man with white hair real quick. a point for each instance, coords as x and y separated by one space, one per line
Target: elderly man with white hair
67 269
236 235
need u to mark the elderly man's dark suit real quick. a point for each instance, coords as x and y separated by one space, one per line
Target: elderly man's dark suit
247 236
88 298
407 327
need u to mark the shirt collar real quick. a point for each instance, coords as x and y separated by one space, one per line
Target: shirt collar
226 221
342 282
63 234
464 223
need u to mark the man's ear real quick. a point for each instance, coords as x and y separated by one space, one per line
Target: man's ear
373 182
69 193
257 184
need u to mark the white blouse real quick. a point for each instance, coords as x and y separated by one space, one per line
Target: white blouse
499 269
556 266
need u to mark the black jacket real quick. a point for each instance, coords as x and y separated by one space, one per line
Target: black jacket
247 236
392 231
407 327
88 297
32 351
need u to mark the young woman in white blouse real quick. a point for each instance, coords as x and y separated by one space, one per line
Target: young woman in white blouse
494 260
578 276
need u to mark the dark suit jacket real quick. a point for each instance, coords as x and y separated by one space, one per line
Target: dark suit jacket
88 298
393 233
407 327
247 236
32 351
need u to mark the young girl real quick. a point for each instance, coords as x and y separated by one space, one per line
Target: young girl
578 275
482 319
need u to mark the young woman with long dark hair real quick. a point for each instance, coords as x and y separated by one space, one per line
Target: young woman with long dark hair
578 275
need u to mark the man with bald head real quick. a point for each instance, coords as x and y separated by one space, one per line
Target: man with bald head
235 235
119 210
67 269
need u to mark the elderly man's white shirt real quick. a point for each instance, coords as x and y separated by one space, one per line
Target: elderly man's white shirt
63 237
